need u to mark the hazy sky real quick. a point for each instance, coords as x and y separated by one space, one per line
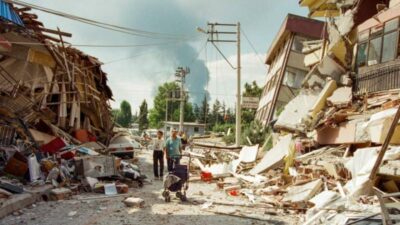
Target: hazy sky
135 73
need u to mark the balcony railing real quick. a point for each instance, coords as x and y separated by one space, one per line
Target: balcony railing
377 78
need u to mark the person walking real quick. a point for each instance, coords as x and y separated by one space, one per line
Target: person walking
158 155
173 150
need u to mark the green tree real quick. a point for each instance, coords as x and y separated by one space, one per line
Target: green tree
204 111
124 116
250 90
196 112
114 113
188 113
135 117
216 116
157 113
143 113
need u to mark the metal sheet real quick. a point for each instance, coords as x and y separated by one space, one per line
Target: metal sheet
7 13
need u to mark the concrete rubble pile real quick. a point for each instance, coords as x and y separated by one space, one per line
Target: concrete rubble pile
55 117
326 141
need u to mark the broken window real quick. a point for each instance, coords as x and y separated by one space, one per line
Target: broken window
389 49
298 43
289 78
362 54
196 129
374 52
294 77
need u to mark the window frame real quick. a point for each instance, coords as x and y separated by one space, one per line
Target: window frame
382 35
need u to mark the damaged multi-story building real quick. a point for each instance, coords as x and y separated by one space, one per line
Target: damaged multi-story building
377 61
286 64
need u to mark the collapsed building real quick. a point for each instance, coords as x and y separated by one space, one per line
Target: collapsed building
348 100
48 87
335 154
55 115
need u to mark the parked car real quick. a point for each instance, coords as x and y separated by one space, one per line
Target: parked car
123 145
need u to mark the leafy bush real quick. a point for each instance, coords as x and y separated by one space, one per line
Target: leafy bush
256 132
223 128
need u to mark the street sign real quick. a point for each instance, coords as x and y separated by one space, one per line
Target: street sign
250 102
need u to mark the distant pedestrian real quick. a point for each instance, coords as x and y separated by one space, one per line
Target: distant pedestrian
173 150
158 155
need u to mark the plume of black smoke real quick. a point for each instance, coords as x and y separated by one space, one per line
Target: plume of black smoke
196 82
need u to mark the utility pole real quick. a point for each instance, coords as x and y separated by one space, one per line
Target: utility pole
181 74
214 35
239 93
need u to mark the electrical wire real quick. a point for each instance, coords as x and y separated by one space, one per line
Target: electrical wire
252 46
222 54
112 27
97 45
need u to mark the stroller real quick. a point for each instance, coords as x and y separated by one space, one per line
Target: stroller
177 181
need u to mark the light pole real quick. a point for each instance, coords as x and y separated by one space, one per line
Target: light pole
214 38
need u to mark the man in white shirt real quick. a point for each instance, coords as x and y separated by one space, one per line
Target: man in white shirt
158 155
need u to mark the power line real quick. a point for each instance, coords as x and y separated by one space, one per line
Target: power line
121 29
252 46
220 52
98 45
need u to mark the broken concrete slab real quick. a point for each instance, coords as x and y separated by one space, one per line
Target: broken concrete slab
275 156
16 202
219 170
313 57
324 198
248 154
341 97
329 67
20 201
352 132
379 124
320 103
297 110
304 192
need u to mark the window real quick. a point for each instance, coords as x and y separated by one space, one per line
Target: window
289 78
378 44
196 129
374 52
294 77
362 54
389 49
298 43
391 25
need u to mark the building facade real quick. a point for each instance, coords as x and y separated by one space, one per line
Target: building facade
377 61
286 64
191 129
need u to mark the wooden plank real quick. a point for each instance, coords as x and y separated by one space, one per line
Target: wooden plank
23 9
54 31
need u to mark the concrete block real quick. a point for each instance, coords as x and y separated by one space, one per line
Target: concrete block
134 202
16 202
60 194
